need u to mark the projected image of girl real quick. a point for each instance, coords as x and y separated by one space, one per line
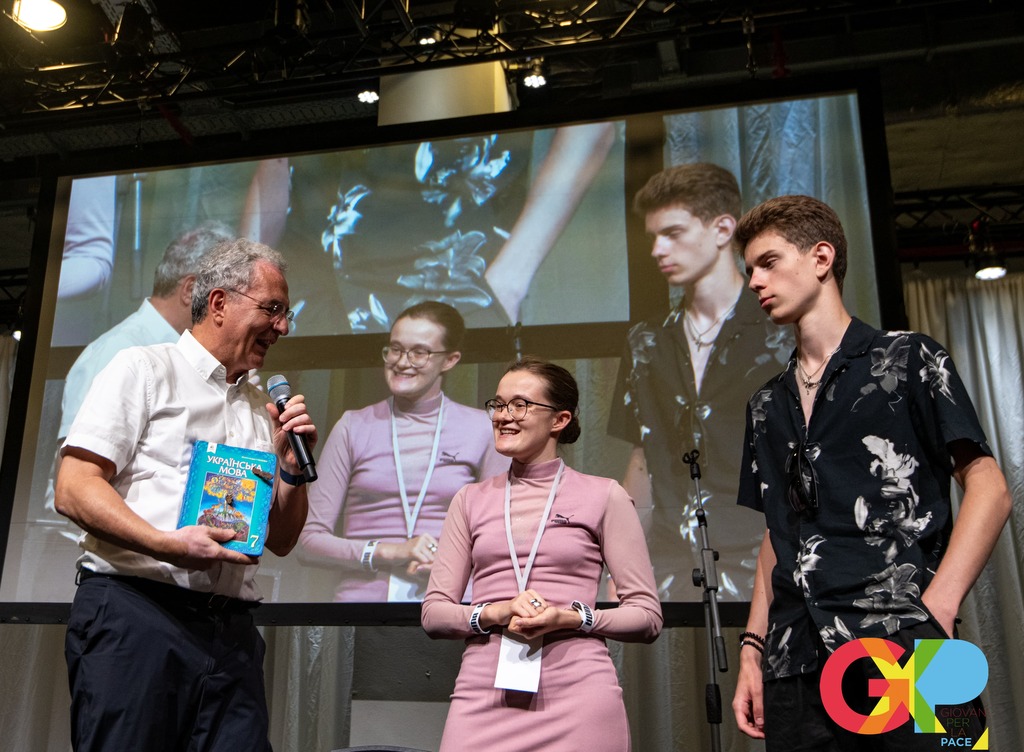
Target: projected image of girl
534 541
388 471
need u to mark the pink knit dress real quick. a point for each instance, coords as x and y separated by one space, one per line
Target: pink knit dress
579 702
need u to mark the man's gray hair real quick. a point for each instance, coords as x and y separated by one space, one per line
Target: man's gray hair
230 266
184 252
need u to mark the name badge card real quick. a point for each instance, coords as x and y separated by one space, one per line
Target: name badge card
519 662
403 589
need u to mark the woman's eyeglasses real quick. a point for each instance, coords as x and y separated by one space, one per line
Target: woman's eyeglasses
417 356
516 408
803 479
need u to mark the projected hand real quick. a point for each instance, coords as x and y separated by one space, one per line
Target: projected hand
415 551
570 166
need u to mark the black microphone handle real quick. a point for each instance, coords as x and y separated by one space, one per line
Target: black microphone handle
300 447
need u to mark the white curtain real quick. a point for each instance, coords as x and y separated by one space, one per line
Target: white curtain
8 356
982 326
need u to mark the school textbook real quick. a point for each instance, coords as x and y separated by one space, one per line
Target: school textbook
232 488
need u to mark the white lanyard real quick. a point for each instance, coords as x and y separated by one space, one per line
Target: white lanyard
411 515
523 575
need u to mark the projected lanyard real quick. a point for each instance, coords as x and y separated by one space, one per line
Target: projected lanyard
519 658
400 588
411 515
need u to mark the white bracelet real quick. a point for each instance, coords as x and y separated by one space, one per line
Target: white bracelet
586 616
474 619
367 558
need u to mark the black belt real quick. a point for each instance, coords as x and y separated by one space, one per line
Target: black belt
174 597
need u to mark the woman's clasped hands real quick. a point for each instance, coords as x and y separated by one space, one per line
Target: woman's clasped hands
530 615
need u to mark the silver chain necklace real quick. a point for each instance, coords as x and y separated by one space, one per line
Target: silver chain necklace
691 328
805 377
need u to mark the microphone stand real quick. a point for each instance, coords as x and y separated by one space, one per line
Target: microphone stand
706 577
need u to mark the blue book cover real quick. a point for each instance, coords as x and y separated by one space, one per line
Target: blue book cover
232 488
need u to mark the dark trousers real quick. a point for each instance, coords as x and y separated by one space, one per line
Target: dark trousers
796 720
151 669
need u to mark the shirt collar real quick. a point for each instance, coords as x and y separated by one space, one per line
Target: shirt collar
156 320
744 309
855 342
201 359
857 339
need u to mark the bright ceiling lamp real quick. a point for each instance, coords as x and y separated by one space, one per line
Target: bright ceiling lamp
990 269
988 264
39 15
535 78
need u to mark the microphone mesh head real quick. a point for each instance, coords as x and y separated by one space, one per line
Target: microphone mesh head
278 388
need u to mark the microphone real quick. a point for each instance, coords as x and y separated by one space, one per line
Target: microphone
280 392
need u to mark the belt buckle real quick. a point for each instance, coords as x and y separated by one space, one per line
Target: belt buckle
218 602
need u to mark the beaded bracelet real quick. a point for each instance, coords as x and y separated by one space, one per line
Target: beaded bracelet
752 644
755 637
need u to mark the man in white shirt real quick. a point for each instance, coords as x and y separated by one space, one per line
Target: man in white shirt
162 317
161 645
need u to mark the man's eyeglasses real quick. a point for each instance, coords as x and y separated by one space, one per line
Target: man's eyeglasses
803 479
516 408
417 356
276 311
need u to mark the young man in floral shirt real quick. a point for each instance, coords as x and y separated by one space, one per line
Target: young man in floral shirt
849 454
685 379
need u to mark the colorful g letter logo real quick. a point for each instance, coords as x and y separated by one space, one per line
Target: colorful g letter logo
939 672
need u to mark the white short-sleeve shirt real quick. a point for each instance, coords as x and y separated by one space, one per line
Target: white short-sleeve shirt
144 327
144 412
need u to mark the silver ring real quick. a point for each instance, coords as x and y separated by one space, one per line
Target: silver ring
534 602
432 548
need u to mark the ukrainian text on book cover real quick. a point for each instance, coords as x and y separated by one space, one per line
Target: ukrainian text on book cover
231 488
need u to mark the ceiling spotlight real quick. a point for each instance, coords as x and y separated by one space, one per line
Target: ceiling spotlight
39 15
988 264
481 15
990 270
535 78
133 36
369 96
427 37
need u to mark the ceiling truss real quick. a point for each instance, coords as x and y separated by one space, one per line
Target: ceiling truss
268 49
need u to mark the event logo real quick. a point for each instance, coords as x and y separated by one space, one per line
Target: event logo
938 673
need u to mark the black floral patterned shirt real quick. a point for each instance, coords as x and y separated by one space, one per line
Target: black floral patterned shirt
875 459
658 407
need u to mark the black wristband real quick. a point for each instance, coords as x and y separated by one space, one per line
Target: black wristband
291 480
752 644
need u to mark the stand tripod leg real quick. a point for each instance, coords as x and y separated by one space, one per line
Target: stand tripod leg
712 691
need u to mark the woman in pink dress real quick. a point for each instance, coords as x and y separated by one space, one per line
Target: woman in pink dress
388 471
536 674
